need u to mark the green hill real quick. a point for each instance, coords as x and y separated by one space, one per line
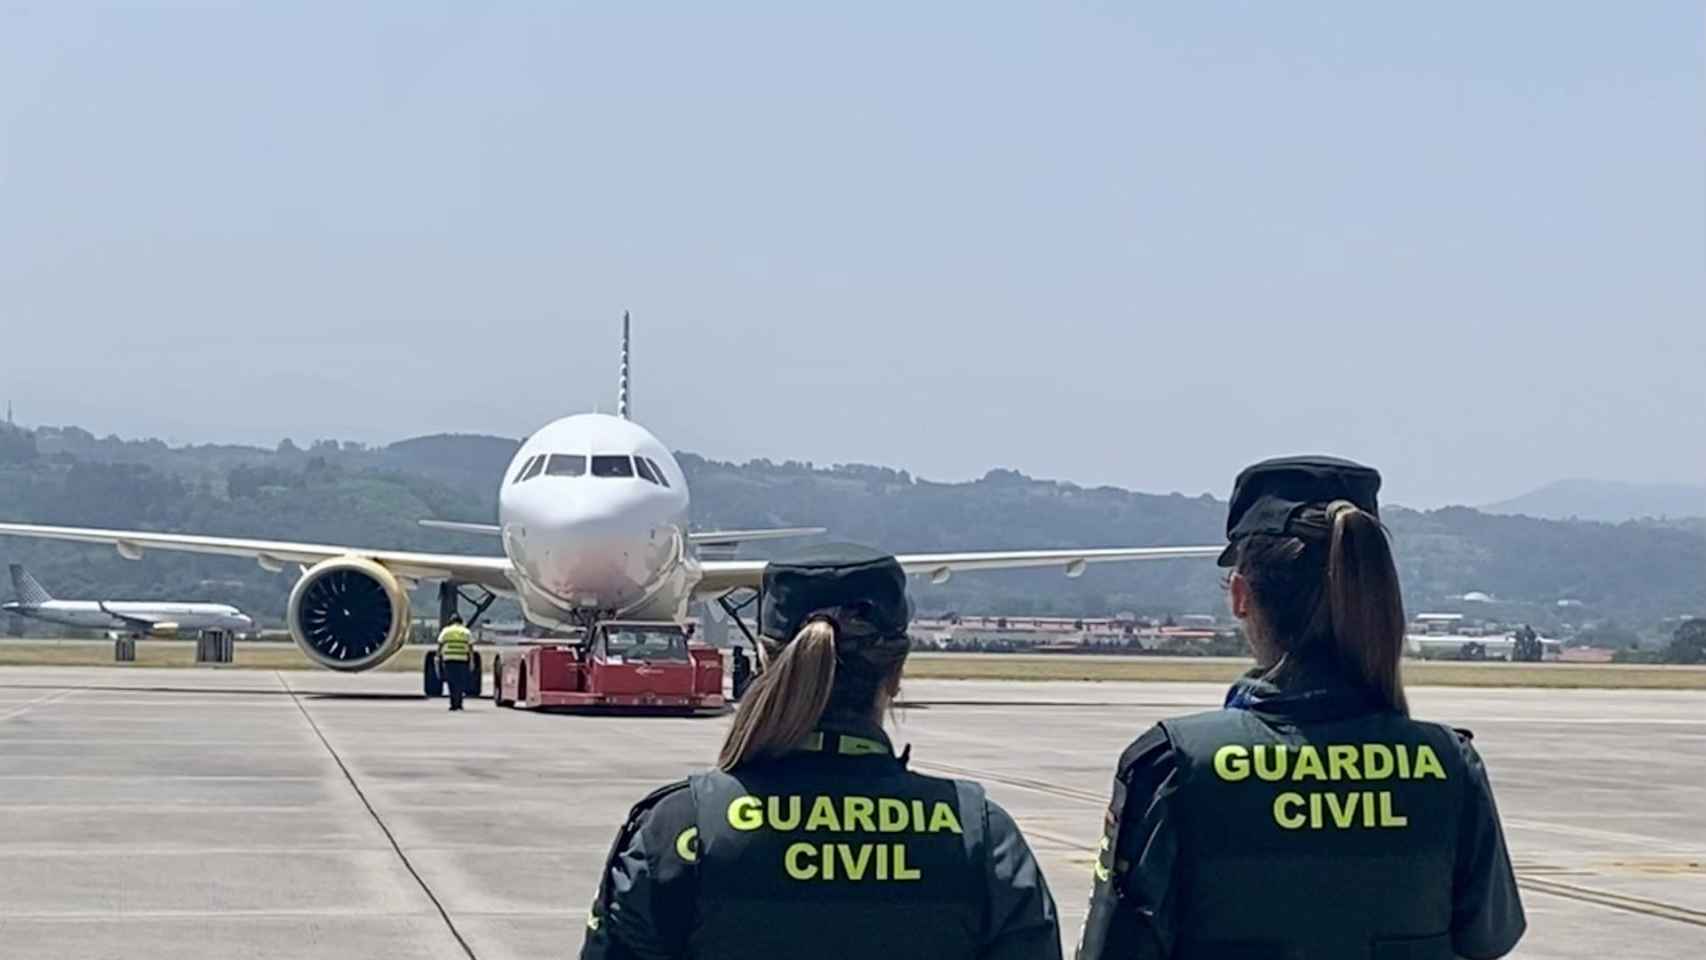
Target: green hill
1580 499
1637 573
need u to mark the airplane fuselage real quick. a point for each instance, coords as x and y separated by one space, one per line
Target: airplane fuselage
1454 646
593 513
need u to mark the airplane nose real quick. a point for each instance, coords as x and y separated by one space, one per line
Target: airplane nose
593 526
597 550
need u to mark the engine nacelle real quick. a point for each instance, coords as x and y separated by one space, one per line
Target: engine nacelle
348 613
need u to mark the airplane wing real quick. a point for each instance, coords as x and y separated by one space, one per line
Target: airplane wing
487 529
720 538
489 572
128 619
722 576
709 538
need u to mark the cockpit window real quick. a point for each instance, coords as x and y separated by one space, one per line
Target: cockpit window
533 468
644 469
522 473
566 465
657 471
612 466
645 643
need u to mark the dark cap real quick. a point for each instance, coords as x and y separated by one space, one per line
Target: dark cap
862 590
1270 497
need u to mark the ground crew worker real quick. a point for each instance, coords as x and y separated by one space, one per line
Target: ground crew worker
1309 817
742 672
812 838
455 647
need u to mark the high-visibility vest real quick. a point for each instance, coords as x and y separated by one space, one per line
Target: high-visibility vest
455 642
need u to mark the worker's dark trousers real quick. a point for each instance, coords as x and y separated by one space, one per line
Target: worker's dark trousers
456 679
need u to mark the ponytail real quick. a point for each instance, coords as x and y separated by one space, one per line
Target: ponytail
1336 594
1364 602
787 700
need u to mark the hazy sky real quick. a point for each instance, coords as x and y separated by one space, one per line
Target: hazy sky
1132 243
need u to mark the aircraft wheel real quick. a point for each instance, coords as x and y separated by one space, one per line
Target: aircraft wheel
432 684
520 686
476 675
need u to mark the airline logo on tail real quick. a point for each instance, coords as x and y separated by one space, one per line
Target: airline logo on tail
29 592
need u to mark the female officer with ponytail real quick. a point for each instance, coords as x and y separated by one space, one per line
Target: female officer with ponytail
1311 817
812 838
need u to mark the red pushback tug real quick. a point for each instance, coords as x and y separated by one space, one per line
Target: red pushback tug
622 664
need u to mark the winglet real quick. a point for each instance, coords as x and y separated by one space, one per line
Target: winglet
29 592
622 387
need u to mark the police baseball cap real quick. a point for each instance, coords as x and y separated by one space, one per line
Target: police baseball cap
1273 497
861 590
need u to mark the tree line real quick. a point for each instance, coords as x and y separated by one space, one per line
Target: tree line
1629 580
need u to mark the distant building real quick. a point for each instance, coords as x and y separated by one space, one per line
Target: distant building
1066 634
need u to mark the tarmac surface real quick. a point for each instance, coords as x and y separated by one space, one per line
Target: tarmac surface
201 814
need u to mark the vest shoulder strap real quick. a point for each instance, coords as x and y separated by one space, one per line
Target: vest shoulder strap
974 809
636 819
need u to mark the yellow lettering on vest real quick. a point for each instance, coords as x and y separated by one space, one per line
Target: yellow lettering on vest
901 870
917 816
1377 762
797 861
828 851
1368 808
1290 821
882 861
1315 820
1342 762
1343 809
687 845
1268 772
1232 762
1427 763
853 868
792 820
823 816
857 814
1309 764
1403 762
942 818
891 815
1387 817
746 813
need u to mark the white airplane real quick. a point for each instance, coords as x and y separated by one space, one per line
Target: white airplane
137 617
593 519
1455 646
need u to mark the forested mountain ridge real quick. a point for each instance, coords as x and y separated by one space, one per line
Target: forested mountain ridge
1613 502
1636 573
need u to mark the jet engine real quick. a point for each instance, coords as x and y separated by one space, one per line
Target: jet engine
348 613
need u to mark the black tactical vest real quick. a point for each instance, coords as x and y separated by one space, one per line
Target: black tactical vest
838 851
1315 837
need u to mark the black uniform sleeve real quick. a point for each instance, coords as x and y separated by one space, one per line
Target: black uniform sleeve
649 889
1486 916
1023 924
1132 902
